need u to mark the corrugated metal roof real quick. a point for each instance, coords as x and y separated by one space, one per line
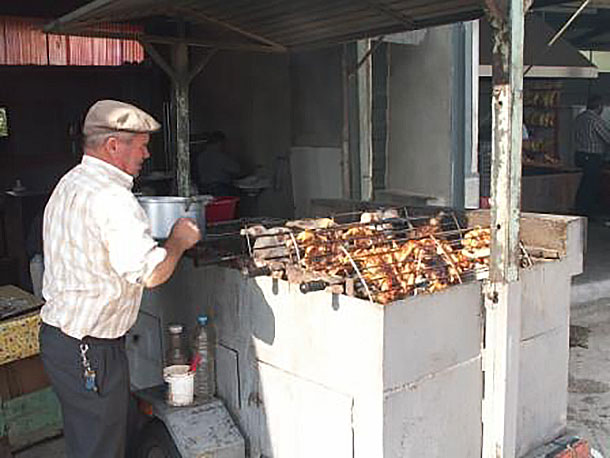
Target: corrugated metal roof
22 42
268 25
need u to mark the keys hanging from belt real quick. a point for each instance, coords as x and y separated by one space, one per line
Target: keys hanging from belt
89 373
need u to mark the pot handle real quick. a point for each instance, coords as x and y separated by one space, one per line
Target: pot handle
188 202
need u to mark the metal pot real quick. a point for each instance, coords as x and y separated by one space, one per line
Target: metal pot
163 211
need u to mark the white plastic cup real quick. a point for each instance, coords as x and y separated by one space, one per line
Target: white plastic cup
181 381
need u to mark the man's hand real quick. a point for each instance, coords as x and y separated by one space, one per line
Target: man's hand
184 234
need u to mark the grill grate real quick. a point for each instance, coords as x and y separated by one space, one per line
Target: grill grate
382 255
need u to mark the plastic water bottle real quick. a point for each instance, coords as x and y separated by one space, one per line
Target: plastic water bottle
205 386
175 348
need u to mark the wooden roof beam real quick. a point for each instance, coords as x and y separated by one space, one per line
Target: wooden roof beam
190 13
397 15
167 40
587 36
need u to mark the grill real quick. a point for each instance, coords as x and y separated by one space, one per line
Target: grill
356 374
383 255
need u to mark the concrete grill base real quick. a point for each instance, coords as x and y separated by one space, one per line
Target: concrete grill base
331 375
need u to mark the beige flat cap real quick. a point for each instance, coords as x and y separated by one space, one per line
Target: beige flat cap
112 115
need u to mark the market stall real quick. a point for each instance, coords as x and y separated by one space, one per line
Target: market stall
367 424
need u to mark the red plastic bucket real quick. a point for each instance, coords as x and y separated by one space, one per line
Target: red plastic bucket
221 209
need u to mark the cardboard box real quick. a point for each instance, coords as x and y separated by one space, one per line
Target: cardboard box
22 377
19 324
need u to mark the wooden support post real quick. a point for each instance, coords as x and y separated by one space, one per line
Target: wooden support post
501 367
503 292
180 77
181 106
346 175
365 112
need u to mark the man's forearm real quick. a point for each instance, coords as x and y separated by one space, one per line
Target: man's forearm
165 268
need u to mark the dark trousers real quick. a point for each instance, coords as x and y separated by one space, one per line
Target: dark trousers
588 190
95 424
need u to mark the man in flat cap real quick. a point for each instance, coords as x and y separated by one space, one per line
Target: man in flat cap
99 256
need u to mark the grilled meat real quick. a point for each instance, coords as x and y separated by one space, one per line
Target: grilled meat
394 268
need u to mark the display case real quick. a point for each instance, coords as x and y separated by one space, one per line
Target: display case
541 119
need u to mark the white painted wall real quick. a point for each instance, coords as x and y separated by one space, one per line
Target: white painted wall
316 174
247 96
316 126
419 151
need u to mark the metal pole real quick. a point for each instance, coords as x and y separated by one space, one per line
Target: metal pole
180 87
503 292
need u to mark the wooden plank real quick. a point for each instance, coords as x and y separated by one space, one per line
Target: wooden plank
364 116
537 230
503 291
195 15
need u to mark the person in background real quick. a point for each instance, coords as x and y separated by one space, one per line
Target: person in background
214 170
99 256
592 142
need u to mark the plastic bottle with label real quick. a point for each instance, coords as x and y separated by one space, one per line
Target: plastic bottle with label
203 345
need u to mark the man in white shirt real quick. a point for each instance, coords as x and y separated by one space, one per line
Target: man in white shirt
99 256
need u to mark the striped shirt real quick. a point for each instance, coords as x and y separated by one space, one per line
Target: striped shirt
98 249
591 133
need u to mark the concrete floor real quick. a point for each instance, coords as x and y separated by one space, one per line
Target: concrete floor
52 448
589 379
589 382
589 373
